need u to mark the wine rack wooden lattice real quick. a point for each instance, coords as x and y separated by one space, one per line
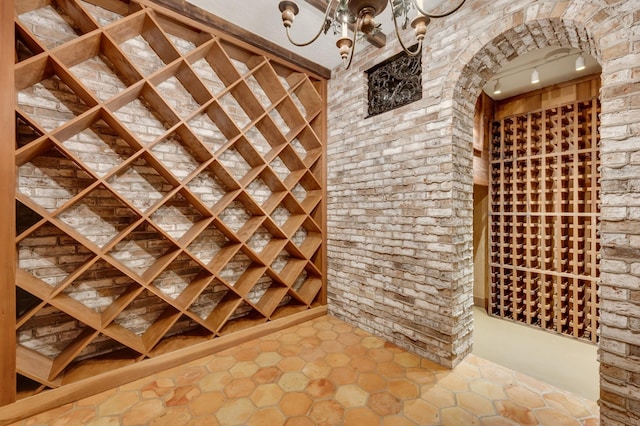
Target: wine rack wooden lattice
169 183
544 193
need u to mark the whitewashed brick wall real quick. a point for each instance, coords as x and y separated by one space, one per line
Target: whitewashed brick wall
400 184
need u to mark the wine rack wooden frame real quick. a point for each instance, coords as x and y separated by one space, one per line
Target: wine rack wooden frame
177 198
544 195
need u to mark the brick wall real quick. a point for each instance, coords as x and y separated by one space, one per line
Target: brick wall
400 184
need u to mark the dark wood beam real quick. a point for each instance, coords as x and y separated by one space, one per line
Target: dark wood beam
200 15
377 40
7 199
117 6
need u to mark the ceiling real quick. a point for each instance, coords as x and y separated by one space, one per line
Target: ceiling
262 17
554 64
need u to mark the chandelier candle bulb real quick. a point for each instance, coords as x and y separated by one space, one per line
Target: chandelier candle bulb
289 11
344 45
420 23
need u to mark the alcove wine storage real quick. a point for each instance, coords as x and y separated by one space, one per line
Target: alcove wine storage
544 194
170 187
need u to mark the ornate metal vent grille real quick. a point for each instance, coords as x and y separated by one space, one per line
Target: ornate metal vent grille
394 83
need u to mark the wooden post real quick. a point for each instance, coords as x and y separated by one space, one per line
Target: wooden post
322 89
7 199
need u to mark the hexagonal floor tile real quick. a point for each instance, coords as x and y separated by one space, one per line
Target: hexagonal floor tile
351 396
327 372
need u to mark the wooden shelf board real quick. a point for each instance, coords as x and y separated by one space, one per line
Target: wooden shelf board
271 299
179 342
35 366
103 364
71 351
243 323
160 326
247 280
292 270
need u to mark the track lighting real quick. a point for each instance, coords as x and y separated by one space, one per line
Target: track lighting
580 63
557 64
535 76
497 89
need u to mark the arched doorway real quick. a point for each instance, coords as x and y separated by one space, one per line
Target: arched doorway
536 209
482 64
414 173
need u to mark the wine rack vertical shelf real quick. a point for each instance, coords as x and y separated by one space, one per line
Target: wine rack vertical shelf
544 193
170 184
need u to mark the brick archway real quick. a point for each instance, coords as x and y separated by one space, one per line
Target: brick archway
618 402
399 187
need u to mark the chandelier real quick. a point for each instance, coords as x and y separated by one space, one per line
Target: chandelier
360 15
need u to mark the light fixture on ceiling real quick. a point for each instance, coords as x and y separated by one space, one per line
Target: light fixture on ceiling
535 76
362 13
497 89
580 63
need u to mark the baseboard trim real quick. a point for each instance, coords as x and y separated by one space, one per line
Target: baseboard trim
480 301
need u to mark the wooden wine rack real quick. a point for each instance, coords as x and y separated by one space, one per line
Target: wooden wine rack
170 183
544 192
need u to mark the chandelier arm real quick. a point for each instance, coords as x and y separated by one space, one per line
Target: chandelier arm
353 44
442 15
324 21
406 50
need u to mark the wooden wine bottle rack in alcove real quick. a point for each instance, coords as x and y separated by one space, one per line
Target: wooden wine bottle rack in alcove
169 183
544 192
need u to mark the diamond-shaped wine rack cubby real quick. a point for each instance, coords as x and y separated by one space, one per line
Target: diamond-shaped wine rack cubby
169 191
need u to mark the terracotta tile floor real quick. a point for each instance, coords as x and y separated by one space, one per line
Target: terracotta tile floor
325 372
